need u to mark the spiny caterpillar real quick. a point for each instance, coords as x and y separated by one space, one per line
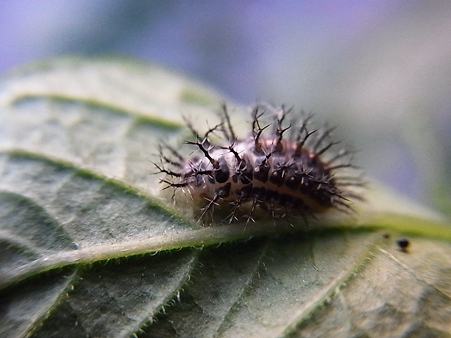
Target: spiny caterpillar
280 169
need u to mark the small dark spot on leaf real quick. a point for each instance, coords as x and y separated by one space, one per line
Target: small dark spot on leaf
403 244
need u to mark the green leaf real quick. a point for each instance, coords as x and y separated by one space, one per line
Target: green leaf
91 246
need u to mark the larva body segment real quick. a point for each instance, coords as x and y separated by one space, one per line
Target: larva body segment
282 167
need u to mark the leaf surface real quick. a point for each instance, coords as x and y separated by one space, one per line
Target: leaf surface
91 246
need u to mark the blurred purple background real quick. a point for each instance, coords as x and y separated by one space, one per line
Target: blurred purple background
380 69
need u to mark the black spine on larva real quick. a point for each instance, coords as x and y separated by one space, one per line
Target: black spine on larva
279 171
245 171
261 172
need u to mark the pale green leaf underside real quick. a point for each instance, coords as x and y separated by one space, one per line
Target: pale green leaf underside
89 246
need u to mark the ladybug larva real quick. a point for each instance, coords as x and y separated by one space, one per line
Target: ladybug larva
281 168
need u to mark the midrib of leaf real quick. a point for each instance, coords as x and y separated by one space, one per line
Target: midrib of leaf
194 238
